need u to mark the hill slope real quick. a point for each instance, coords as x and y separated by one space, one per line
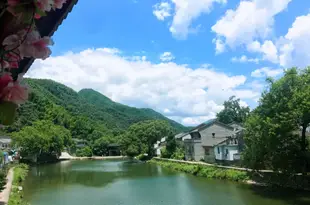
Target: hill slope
52 100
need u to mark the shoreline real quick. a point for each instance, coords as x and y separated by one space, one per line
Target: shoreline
267 178
5 194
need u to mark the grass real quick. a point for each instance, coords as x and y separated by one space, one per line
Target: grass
16 196
205 171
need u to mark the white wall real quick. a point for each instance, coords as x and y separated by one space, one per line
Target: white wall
231 151
218 156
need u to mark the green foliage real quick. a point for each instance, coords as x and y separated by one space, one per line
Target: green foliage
16 196
100 146
170 146
205 171
143 157
84 152
42 137
276 130
88 115
178 154
141 137
233 112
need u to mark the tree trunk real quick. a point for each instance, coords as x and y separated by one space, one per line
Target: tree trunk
303 149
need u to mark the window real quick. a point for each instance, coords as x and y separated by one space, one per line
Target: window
213 135
226 153
218 150
207 151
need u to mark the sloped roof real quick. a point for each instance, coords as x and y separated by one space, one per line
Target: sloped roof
47 25
210 141
209 123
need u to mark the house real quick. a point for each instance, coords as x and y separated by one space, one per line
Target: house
114 149
159 145
80 143
182 136
214 141
5 142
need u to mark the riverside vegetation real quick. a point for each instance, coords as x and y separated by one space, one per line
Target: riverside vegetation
16 196
204 171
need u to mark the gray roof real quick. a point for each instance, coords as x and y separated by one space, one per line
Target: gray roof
210 141
180 135
209 123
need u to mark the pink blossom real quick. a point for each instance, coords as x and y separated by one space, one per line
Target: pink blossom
58 4
4 64
37 49
37 16
13 2
4 81
45 5
15 93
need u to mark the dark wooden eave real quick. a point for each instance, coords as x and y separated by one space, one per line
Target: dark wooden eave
47 25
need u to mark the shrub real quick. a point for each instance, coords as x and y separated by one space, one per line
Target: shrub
205 171
84 152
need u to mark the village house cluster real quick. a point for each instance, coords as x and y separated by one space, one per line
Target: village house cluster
211 141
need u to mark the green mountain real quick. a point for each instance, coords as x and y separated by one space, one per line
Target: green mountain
83 112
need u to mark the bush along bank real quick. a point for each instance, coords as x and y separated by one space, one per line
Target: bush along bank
205 171
16 196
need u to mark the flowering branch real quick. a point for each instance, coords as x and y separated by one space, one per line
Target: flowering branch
24 41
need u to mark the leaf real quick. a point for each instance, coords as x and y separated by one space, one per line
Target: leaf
40 12
7 112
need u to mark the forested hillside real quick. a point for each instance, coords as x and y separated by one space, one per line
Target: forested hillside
82 113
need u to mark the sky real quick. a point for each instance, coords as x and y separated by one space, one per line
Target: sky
182 58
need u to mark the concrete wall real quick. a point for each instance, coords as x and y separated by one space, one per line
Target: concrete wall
218 152
232 149
219 131
198 150
211 156
193 150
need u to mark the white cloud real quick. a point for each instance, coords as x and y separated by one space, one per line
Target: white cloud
183 91
266 72
186 11
244 59
295 45
219 46
251 20
162 10
270 52
166 56
254 46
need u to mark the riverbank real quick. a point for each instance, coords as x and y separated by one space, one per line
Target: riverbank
5 193
248 176
204 171
66 156
19 174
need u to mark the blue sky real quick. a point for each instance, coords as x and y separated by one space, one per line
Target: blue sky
182 58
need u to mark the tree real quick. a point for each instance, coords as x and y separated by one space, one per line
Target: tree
171 146
84 152
141 137
276 130
42 138
233 112
100 146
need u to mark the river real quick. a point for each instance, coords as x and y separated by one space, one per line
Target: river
123 182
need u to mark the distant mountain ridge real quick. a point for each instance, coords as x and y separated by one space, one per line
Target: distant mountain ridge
49 99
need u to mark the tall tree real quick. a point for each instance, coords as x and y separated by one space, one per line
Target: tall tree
42 138
276 130
141 137
233 111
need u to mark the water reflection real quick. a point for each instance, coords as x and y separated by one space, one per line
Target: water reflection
131 183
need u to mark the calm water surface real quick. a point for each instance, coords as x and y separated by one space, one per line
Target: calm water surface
129 183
